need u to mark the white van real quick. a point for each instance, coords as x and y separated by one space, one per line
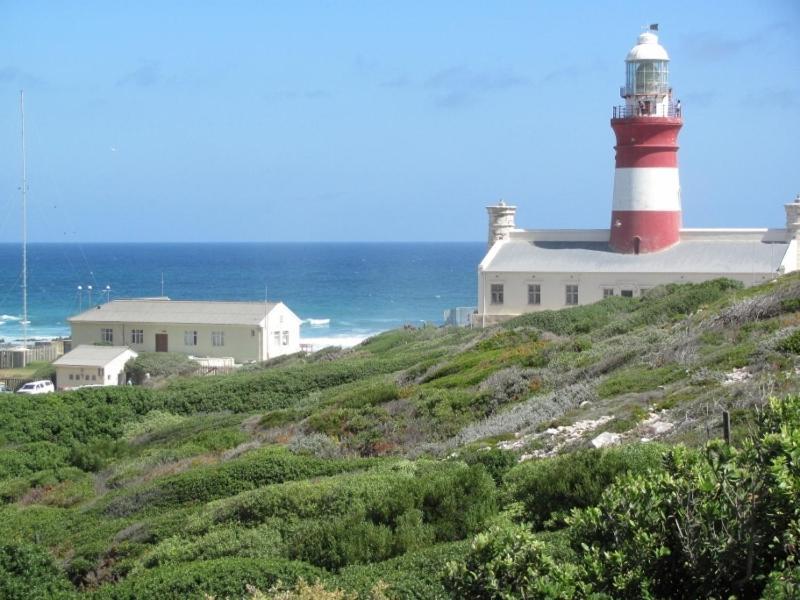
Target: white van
45 386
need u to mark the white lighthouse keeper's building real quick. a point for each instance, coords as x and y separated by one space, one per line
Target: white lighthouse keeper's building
245 331
645 246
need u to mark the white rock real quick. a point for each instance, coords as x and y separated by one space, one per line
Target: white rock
660 427
606 439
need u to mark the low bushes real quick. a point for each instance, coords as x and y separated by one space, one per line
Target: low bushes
639 379
415 575
720 523
370 516
224 577
159 364
554 486
201 484
28 571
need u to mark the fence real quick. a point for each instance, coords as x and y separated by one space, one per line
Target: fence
14 383
19 358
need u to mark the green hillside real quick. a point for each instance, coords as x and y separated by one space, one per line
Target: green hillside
434 463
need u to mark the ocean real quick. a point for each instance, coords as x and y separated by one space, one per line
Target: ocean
344 292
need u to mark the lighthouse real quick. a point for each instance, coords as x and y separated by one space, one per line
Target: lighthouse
646 211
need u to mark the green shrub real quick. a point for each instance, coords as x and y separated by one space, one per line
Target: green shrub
639 379
790 344
576 320
368 516
94 455
27 571
415 575
45 371
496 462
709 524
159 364
550 487
223 577
508 562
31 457
201 484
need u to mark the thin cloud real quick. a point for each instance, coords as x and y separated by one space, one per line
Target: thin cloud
17 77
147 75
459 85
782 98
701 99
313 94
714 46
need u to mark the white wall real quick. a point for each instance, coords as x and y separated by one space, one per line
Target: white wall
590 288
240 341
286 324
244 343
108 375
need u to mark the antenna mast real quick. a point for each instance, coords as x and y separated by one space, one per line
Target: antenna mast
24 232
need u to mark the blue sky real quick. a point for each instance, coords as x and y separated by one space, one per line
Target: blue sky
315 121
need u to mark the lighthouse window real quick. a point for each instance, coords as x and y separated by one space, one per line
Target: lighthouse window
497 293
107 335
572 295
647 77
534 293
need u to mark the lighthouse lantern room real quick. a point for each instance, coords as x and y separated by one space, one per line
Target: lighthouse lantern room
646 213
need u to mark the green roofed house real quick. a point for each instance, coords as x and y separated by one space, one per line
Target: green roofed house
245 331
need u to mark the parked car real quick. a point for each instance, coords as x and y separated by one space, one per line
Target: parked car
4 389
45 386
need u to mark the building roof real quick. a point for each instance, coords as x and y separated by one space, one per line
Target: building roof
163 310
719 256
91 356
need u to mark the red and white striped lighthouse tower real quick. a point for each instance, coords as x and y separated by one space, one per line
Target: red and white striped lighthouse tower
646 214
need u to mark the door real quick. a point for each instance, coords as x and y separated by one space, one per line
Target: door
161 342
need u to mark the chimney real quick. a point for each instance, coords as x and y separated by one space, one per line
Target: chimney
793 218
501 221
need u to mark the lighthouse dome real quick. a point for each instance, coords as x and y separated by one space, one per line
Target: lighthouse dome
647 48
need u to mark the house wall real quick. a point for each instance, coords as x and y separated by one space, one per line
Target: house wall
283 321
590 288
108 375
240 341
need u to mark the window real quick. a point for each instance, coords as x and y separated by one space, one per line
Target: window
252 333
534 293
217 338
107 335
100 372
285 338
643 291
497 293
137 336
608 292
626 293
71 376
94 377
277 337
572 295
190 338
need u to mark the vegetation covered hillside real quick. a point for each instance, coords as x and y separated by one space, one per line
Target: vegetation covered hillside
434 463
